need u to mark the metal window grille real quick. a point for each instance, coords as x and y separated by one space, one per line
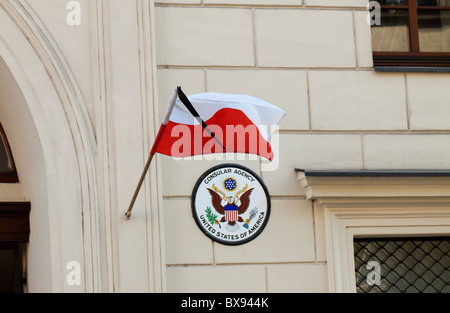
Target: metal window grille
402 265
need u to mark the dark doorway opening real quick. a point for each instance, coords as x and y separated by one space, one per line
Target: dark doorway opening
11 280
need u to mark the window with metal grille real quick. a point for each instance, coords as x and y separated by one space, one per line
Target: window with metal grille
402 265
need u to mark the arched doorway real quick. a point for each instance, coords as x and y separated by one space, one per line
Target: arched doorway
52 141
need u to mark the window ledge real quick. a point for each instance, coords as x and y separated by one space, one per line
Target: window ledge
414 69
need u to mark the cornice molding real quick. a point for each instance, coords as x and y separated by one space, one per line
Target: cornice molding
375 184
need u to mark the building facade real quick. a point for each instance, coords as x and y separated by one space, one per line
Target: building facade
362 157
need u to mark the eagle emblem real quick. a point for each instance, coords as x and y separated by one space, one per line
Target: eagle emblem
233 207
230 204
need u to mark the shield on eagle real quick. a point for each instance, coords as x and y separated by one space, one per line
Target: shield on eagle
231 212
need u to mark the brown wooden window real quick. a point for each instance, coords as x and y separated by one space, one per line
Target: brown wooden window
412 33
8 173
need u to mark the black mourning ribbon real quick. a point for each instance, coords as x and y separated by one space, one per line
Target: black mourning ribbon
197 116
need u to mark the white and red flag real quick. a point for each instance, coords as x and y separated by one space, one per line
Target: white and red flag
217 123
214 123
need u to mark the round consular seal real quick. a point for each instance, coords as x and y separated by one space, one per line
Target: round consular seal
230 204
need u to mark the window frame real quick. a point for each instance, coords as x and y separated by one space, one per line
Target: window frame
373 203
414 57
343 225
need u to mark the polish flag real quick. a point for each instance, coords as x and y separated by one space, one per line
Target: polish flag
217 123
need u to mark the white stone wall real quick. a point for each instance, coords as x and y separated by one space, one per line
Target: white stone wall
313 59
101 85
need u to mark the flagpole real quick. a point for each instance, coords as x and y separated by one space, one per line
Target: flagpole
138 188
170 107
